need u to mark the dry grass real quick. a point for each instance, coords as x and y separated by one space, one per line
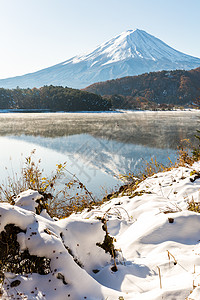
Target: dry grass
60 199
185 157
193 206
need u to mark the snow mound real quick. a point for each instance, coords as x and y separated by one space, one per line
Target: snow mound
28 200
156 241
69 244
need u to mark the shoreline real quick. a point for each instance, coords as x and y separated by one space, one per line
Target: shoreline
119 111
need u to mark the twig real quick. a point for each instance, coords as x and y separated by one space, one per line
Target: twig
159 277
194 269
169 254
114 259
161 189
89 193
117 209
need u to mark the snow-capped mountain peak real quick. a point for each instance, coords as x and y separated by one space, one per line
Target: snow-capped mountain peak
133 52
136 44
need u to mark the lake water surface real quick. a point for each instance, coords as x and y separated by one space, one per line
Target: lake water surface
96 146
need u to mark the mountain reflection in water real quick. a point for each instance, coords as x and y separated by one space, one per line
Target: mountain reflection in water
96 146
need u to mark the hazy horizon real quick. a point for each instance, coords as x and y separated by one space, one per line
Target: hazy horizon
37 35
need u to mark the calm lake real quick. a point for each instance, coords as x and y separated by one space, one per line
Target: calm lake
96 146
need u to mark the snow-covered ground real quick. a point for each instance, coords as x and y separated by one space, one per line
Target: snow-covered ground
155 236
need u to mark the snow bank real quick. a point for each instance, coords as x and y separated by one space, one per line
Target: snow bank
154 232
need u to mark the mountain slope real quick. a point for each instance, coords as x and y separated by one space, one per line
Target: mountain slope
131 53
172 87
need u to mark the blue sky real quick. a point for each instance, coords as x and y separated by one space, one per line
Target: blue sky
39 33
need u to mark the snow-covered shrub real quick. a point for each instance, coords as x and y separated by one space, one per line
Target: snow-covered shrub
13 260
33 245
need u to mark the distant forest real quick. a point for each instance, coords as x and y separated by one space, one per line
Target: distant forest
152 90
53 98
155 91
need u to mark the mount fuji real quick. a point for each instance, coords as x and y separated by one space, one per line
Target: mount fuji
131 53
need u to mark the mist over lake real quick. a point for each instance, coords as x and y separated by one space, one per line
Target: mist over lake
96 146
